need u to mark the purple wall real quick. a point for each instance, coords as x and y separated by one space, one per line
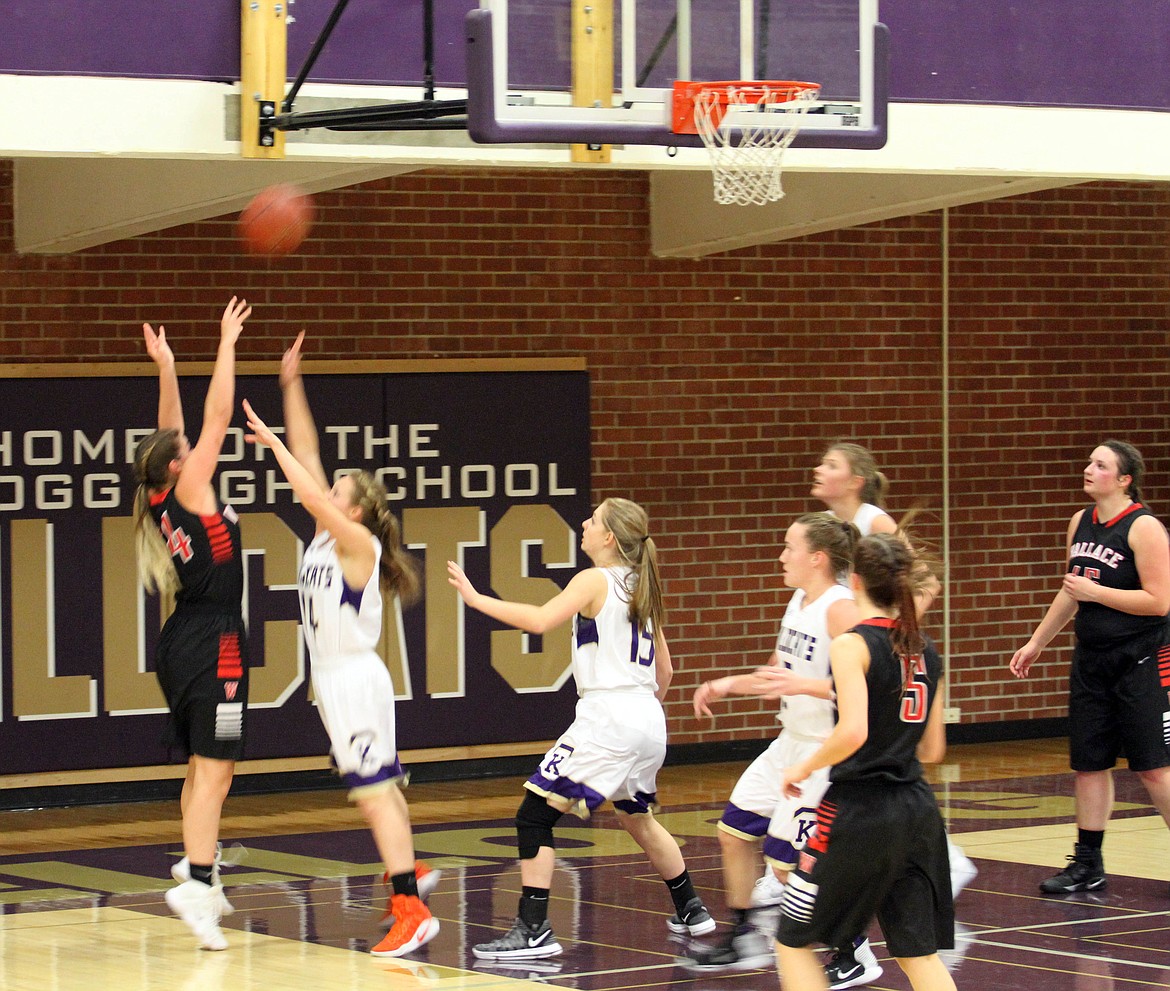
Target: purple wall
1057 52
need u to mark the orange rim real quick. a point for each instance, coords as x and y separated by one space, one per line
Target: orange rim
753 90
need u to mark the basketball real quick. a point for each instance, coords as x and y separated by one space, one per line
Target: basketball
277 221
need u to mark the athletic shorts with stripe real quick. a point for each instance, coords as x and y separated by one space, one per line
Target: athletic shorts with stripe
878 849
356 701
612 751
1119 702
202 667
756 808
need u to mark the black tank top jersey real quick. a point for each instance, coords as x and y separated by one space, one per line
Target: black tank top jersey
1100 551
206 551
897 716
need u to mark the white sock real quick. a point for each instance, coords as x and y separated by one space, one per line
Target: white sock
863 953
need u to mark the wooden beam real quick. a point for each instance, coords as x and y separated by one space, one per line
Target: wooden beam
592 57
263 71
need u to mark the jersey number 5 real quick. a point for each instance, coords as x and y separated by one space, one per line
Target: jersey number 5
916 697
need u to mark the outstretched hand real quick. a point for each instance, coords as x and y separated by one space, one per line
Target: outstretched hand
457 577
232 321
290 364
157 346
260 432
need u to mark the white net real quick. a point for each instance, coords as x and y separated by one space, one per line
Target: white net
746 129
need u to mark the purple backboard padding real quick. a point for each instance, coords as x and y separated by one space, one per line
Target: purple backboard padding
1093 53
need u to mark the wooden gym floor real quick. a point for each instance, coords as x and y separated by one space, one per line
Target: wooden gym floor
81 891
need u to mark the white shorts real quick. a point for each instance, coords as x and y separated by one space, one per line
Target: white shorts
356 701
613 751
757 809
793 818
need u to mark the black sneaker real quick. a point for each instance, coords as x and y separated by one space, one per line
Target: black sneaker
743 948
845 971
1085 872
521 942
694 921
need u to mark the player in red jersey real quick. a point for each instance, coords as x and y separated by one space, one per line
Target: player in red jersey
189 545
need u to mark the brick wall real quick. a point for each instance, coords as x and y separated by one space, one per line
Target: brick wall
717 381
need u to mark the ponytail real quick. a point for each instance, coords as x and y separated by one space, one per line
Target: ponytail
398 570
629 524
152 471
886 565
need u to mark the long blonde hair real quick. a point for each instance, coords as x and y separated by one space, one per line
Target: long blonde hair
152 471
398 570
630 526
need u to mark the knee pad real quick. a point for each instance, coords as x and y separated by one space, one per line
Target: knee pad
534 825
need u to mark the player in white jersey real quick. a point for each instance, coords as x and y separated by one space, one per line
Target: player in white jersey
848 481
817 551
355 558
617 741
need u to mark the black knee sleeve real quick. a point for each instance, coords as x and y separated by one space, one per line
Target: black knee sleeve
534 825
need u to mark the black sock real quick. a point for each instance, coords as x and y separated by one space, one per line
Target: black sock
533 905
202 873
681 892
1092 838
739 916
405 884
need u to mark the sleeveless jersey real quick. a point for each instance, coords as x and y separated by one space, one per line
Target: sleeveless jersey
863 519
803 646
609 653
1100 551
897 716
339 622
206 551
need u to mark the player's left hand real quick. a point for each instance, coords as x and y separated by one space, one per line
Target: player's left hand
1081 588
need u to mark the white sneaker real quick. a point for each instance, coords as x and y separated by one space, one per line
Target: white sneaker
181 872
963 869
767 891
197 905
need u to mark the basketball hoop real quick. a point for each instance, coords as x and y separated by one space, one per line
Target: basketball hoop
764 115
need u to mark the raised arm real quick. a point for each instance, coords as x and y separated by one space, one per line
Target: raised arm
200 465
299 428
585 593
354 549
170 407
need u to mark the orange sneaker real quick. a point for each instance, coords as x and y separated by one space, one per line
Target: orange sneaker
425 877
414 926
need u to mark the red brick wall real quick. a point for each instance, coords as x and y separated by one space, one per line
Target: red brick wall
717 381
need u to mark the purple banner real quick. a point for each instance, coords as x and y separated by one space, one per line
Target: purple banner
1048 52
488 468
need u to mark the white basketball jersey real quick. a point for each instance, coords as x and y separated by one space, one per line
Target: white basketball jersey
609 654
803 646
866 513
339 622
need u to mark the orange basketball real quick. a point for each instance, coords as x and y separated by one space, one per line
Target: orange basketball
276 221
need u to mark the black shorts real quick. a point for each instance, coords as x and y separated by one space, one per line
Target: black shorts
1119 703
203 671
878 849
